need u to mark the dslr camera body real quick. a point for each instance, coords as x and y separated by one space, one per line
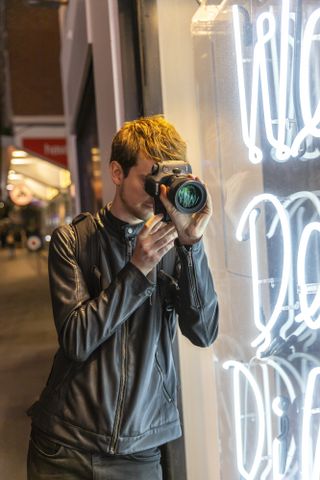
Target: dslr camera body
186 194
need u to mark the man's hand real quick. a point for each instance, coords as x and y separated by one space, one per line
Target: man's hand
153 242
190 227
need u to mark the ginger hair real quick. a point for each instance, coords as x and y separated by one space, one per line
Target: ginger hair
154 136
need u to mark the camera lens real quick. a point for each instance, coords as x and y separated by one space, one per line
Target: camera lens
188 196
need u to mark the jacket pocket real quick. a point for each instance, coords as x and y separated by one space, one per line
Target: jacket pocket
96 281
44 446
166 392
151 455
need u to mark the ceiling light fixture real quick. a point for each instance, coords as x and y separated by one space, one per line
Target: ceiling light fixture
48 3
19 154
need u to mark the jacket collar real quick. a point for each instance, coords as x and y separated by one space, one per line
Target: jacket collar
119 227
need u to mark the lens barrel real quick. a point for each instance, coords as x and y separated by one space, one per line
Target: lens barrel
188 196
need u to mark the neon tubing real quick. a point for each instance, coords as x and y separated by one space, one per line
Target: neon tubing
266 329
239 367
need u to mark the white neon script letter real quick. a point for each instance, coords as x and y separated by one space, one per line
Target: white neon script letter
310 466
266 33
310 121
240 368
266 30
307 311
250 212
292 395
249 134
297 199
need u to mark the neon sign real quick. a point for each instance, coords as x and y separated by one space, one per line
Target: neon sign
251 213
238 369
307 311
282 214
274 452
308 472
276 391
280 119
278 457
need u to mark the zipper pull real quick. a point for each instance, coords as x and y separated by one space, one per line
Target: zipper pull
172 280
189 256
152 276
130 248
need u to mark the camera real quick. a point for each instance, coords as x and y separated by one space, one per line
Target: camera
186 194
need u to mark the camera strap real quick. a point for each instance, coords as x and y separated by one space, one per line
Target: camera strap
87 250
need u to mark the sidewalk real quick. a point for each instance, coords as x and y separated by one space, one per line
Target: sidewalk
27 344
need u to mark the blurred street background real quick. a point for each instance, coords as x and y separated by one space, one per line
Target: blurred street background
34 198
28 341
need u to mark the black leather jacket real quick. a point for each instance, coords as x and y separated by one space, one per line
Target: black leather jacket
112 387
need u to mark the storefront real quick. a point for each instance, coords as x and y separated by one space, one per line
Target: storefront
249 78
241 81
38 190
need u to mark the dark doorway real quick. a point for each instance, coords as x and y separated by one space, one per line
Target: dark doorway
140 58
89 164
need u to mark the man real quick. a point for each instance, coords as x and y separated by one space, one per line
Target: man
117 280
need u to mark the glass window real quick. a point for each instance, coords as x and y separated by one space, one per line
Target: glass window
246 94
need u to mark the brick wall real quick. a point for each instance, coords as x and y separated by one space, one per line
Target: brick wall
33 45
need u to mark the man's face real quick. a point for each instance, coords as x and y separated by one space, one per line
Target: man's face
135 202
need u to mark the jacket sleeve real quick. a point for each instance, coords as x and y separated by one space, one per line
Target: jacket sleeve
196 302
84 323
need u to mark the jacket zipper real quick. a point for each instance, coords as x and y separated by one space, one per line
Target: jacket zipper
119 411
123 379
192 279
129 248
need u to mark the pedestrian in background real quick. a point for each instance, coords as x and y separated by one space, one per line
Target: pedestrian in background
11 244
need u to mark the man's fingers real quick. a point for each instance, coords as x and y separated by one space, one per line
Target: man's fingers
166 238
153 242
208 207
165 249
157 227
164 198
164 231
154 220
151 225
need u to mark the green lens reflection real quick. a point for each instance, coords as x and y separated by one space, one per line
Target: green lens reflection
188 196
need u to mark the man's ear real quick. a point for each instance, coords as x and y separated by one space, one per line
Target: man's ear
116 172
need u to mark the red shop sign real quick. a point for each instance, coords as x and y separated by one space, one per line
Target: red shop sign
52 149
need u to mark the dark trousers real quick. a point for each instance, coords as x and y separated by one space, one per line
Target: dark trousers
47 459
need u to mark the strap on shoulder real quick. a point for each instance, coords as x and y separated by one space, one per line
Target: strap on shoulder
87 249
